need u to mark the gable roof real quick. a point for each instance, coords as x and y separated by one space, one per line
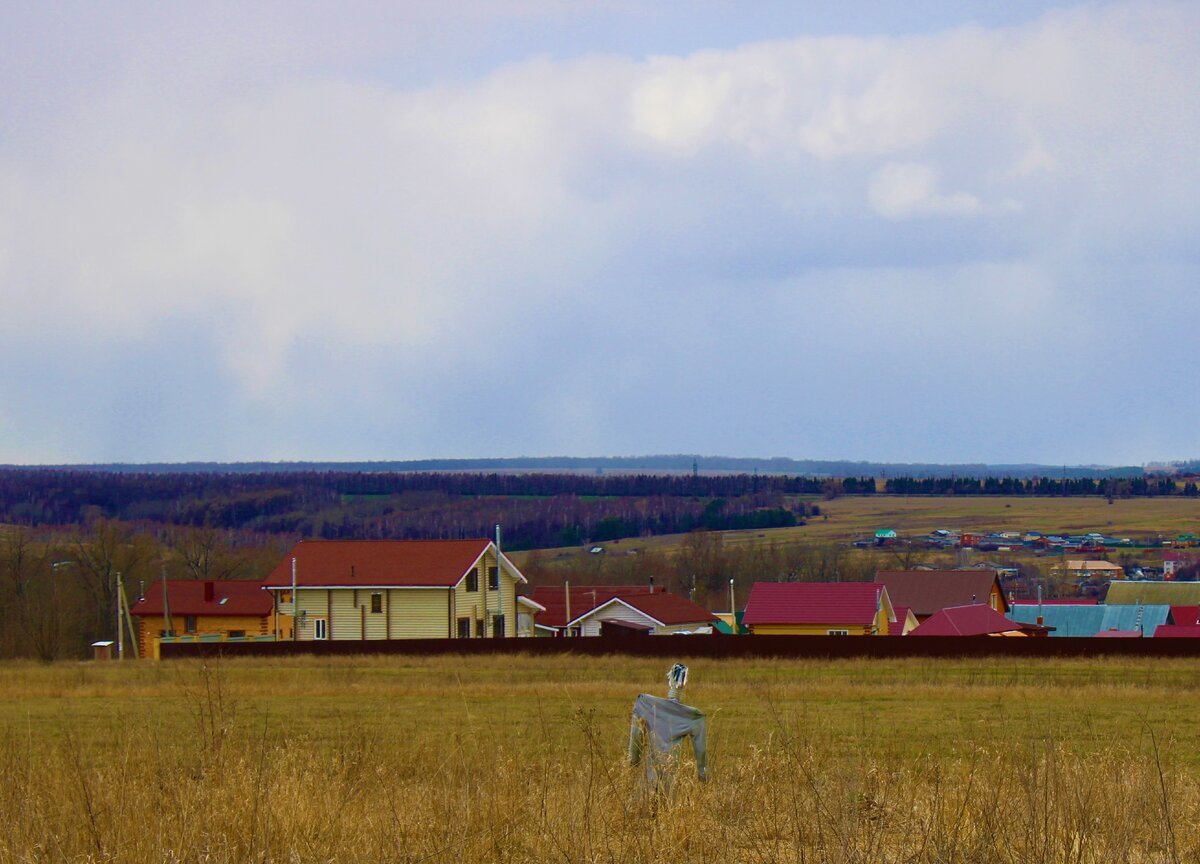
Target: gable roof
382 563
978 619
584 598
191 597
1175 631
1139 591
1090 620
1093 565
1185 615
927 591
661 607
854 603
903 613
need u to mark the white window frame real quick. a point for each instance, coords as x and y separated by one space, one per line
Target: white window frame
837 632
320 629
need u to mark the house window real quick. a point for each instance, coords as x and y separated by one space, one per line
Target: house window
473 580
464 628
494 578
237 634
377 602
497 625
837 632
189 624
320 628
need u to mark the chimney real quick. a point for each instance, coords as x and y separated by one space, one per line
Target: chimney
208 592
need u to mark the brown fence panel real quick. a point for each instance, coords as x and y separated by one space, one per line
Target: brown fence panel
786 647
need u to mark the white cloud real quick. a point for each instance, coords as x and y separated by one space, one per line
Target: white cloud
317 224
905 190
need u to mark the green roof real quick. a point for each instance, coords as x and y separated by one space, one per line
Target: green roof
1173 593
885 532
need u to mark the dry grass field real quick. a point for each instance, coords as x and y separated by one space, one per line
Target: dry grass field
472 759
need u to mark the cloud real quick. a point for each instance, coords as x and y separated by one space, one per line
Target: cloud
388 253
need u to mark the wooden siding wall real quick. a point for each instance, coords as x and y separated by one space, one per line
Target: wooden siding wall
151 626
416 613
617 612
469 604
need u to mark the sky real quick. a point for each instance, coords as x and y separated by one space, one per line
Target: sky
920 231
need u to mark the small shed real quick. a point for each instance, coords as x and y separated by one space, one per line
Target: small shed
102 650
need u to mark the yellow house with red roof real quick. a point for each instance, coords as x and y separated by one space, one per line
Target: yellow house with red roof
395 589
202 610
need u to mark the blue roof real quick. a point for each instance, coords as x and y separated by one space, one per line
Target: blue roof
1068 620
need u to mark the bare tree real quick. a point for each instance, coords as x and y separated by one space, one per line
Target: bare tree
103 550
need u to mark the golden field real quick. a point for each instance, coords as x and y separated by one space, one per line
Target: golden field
855 516
476 759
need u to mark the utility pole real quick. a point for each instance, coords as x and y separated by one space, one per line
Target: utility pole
120 630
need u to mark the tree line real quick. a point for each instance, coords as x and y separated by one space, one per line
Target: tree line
1040 486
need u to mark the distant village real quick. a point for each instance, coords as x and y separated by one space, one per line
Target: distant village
367 590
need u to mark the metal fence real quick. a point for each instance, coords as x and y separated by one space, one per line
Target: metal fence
784 647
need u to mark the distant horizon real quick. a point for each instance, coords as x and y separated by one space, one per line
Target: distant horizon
663 463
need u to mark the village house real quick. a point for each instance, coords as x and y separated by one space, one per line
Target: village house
929 591
975 620
818 609
395 589
202 610
617 610
1078 570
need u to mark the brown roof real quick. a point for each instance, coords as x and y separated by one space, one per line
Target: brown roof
657 603
928 591
667 608
380 563
212 597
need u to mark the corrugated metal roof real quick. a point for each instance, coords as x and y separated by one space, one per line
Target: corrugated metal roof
813 603
978 619
1177 631
188 597
1090 620
584 598
927 591
399 563
1147 591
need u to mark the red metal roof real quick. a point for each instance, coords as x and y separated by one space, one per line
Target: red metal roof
1060 601
896 628
382 563
978 619
191 597
1188 631
584 598
813 603
668 608
927 591
1185 615
1120 634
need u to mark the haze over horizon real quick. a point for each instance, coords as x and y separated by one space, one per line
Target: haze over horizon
938 232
